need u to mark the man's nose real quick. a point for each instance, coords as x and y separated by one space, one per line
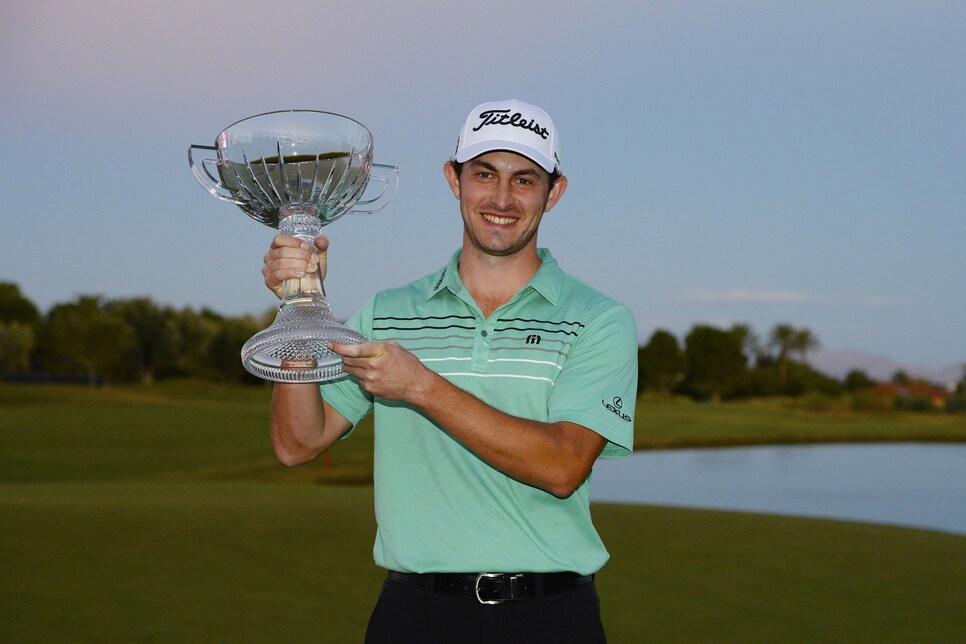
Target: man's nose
503 195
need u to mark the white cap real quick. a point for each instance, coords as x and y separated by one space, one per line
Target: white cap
510 125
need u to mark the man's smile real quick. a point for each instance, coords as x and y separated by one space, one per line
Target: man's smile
497 219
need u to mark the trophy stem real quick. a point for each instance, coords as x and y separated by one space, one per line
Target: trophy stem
300 222
295 347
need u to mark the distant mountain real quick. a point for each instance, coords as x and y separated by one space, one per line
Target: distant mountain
839 363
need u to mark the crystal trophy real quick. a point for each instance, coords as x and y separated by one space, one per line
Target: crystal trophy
297 171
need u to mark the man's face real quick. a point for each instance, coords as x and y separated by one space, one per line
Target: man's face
502 198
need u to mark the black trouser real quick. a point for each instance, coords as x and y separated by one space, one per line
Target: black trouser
407 614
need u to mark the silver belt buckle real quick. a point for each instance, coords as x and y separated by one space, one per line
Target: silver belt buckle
495 575
489 575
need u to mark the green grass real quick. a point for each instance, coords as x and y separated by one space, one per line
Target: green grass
702 576
158 514
662 423
183 561
186 430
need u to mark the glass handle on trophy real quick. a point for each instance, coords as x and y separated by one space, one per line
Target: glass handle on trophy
205 177
388 177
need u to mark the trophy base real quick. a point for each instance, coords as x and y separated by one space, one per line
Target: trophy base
299 337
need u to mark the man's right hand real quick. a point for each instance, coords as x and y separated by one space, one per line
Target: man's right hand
290 258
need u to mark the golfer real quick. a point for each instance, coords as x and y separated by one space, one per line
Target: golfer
495 383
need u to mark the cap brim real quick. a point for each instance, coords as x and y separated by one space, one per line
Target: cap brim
476 149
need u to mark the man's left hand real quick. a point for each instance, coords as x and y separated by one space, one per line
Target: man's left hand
384 369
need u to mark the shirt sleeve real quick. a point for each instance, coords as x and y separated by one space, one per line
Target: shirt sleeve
344 394
597 386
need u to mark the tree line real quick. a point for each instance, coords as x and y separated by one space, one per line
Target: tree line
715 364
97 340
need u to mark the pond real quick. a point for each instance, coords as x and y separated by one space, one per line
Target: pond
907 484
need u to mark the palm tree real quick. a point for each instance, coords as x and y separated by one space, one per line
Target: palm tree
804 341
787 339
782 338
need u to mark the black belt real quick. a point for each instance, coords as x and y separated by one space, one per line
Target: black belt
493 587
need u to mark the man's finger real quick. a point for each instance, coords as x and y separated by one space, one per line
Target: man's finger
353 350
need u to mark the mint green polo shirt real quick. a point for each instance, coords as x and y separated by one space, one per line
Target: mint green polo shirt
557 351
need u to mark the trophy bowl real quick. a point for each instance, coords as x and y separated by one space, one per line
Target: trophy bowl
297 171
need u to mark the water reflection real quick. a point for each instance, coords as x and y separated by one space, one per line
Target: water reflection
918 485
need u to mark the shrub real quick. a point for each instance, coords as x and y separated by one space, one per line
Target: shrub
868 400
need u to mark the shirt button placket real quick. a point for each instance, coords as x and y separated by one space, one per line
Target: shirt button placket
481 351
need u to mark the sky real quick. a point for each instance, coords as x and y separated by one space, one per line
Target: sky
729 162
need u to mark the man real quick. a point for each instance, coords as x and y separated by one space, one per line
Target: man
496 383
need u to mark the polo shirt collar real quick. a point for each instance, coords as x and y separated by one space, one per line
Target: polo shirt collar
546 281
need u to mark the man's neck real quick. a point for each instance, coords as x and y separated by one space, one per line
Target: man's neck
493 281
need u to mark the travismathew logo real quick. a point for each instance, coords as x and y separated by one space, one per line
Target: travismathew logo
439 282
503 117
615 408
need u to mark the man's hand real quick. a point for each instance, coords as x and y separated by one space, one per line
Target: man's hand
385 369
289 258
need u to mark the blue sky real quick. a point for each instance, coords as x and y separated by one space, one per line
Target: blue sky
756 162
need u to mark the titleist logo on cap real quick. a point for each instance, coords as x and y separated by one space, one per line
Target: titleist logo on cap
519 127
503 117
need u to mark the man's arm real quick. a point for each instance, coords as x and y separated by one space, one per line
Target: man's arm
555 457
302 424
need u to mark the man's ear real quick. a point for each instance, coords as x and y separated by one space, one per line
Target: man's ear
557 190
452 178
